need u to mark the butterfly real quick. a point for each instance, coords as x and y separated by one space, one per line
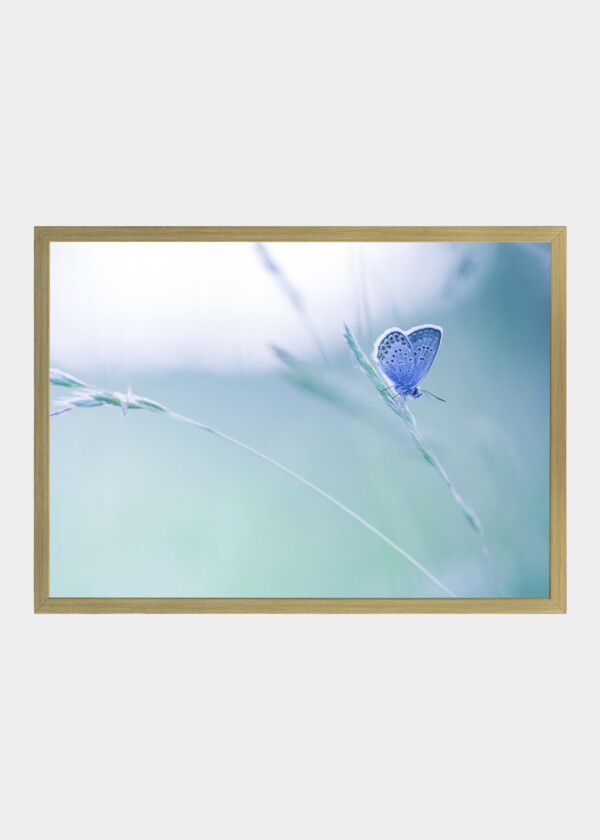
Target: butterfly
405 357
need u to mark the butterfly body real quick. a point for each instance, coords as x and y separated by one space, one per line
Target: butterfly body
404 358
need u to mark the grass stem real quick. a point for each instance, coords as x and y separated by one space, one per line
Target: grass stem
89 396
398 406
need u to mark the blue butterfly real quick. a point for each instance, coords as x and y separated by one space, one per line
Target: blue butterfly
405 357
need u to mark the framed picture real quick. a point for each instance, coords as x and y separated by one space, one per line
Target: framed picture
300 419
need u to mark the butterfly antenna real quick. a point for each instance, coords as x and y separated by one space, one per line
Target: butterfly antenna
429 394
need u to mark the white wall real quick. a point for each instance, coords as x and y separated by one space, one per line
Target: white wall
305 726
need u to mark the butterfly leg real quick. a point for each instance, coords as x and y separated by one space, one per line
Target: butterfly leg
383 390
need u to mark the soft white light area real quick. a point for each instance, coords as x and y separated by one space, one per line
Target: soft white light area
221 305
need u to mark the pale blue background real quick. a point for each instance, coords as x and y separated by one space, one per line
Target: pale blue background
150 507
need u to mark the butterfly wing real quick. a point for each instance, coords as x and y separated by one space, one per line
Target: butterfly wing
425 342
395 356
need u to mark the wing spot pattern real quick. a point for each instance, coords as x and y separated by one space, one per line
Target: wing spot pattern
406 359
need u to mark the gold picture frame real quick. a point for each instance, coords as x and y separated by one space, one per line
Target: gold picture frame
555 603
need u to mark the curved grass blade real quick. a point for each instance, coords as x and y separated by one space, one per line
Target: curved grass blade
292 294
311 378
399 407
88 396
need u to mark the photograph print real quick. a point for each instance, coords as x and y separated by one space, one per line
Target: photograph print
299 419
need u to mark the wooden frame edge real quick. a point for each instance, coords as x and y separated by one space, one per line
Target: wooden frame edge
558 419
41 363
556 603
299 605
301 234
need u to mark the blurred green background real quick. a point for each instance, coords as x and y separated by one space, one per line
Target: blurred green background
151 507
